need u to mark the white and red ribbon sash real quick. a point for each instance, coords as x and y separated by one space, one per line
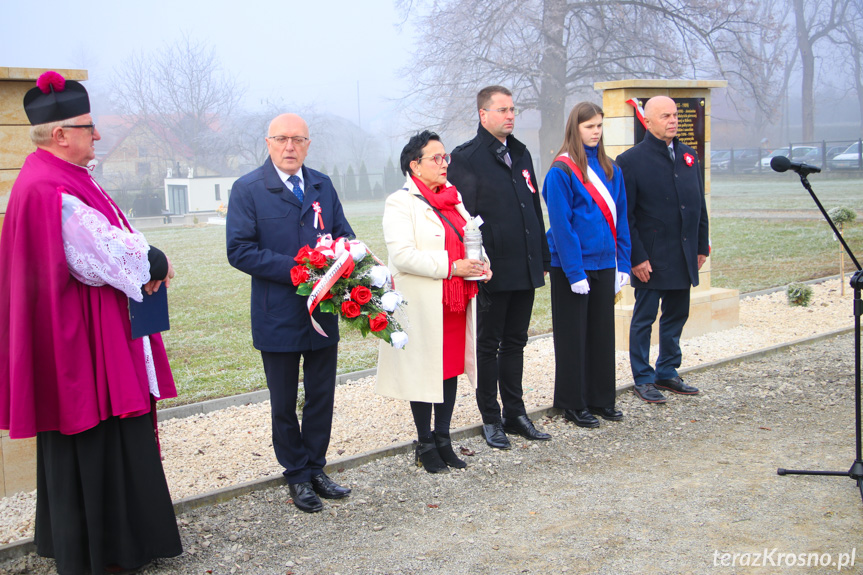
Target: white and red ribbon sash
318 219
340 250
322 288
606 204
639 111
526 175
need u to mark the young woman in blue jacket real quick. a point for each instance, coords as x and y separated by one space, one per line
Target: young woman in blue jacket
590 249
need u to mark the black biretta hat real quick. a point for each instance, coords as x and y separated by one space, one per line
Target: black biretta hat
55 98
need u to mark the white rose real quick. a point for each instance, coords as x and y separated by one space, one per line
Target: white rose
379 276
398 339
390 301
358 251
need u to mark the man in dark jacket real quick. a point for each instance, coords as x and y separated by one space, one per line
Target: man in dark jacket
494 173
275 210
669 232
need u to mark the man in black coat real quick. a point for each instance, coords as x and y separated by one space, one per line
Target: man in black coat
494 173
670 242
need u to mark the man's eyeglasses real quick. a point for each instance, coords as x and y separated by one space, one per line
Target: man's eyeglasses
282 140
438 158
91 127
512 110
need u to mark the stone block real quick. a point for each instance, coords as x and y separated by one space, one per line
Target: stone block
618 131
615 106
12 103
32 74
710 310
19 464
15 146
3 436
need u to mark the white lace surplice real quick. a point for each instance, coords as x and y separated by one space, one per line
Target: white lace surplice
99 254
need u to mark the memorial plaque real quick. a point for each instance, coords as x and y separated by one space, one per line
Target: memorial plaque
690 126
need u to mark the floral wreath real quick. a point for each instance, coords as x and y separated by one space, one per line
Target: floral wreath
339 278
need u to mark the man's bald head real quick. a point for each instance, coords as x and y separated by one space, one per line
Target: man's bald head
288 142
660 115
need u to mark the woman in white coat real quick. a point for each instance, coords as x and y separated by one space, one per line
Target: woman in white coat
423 225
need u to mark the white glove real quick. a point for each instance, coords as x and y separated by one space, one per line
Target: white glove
580 287
622 278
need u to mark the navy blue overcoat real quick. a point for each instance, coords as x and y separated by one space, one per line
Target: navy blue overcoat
266 226
667 212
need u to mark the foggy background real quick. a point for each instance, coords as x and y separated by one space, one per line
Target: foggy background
180 85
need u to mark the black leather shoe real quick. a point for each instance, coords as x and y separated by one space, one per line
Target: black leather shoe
327 488
304 497
607 413
444 449
581 417
648 393
494 435
522 425
676 385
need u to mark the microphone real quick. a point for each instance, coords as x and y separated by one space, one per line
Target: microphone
783 164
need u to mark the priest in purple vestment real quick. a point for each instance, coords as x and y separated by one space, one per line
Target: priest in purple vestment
70 372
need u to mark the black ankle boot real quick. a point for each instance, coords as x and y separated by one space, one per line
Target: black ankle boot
426 455
444 449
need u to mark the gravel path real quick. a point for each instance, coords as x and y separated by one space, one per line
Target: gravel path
671 489
231 446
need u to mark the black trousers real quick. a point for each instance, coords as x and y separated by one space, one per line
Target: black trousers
583 327
501 337
102 498
301 450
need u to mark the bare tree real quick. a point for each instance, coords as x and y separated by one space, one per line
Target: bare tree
182 95
814 20
850 43
550 50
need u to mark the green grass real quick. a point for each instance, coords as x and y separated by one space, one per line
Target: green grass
210 343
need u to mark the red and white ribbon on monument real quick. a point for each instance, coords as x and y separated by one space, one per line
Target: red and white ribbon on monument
639 111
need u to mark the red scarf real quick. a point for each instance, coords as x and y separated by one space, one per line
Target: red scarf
456 291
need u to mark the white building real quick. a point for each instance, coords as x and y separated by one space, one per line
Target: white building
197 194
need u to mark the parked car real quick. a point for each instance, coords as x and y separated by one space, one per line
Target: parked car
847 160
797 152
720 160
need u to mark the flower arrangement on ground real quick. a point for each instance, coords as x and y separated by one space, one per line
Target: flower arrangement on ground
344 277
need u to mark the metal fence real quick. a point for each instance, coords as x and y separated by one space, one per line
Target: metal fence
836 155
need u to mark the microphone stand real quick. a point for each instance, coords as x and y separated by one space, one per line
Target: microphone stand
856 471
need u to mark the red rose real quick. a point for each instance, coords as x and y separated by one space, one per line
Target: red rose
302 255
299 275
350 309
361 294
317 259
378 322
348 269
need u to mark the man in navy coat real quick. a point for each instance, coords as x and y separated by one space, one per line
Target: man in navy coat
669 232
273 213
